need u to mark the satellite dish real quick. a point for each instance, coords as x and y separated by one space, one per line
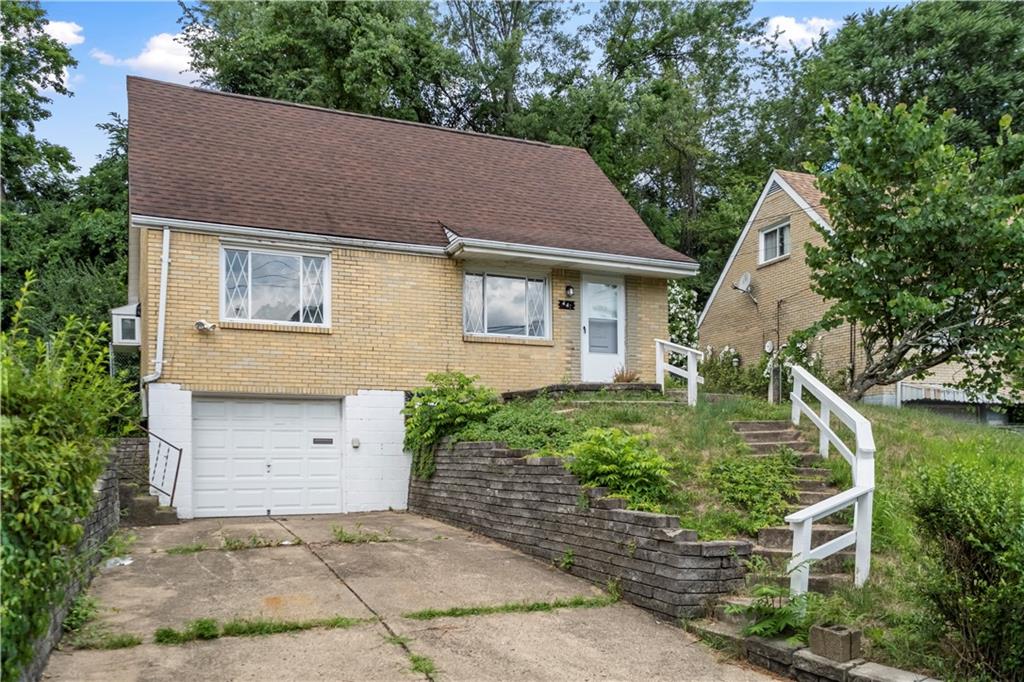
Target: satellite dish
769 346
744 283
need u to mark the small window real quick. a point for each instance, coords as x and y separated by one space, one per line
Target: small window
505 305
775 242
128 329
272 286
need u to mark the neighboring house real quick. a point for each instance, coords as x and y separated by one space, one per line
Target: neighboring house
778 300
297 269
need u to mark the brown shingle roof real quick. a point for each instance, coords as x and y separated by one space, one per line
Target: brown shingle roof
806 185
214 157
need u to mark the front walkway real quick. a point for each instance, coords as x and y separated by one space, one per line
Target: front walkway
393 564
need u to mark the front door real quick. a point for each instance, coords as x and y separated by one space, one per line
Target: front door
602 326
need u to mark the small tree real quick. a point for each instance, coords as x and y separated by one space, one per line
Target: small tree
682 314
926 251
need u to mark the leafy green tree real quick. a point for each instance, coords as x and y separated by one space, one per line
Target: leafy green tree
965 56
511 50
31 64
382 58
926 254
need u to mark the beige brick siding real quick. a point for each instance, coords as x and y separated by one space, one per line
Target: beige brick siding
395 318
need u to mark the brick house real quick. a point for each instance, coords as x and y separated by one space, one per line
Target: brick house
778 300
294 270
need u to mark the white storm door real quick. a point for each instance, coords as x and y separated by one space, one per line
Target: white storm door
602 327
254 457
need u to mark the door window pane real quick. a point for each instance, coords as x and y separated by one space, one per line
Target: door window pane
506 305
603 336
275 287
602 300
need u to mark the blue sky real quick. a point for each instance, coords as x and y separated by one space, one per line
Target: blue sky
114 39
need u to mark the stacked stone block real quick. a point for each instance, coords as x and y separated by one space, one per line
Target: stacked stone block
534 505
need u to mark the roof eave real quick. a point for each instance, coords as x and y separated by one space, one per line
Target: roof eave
485 249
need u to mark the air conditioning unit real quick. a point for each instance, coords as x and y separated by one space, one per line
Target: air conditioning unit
126 326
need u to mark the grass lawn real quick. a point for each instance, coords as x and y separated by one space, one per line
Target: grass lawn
720 496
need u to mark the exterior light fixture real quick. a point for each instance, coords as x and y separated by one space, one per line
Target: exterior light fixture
570 291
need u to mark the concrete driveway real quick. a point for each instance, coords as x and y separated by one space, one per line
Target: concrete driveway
295 569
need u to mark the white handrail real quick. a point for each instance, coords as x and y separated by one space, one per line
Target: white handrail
689 373
862 462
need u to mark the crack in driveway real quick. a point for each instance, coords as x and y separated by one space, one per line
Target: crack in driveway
395 638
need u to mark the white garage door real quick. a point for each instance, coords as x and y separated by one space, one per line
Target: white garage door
251 456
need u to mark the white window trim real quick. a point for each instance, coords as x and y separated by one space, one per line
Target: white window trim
507 272
259 248
761 238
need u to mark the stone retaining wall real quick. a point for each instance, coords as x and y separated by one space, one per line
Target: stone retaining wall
534 505
131 458
99 525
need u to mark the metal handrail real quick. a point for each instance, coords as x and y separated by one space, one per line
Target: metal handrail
689 373
154 465
862 462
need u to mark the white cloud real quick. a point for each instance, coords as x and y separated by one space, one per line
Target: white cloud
164 56
67 32
800 32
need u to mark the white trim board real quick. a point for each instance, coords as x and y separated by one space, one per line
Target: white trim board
795 196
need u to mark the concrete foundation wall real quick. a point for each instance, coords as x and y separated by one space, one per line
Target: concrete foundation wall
534 505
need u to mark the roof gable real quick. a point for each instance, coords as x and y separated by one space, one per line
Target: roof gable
227 159
802 189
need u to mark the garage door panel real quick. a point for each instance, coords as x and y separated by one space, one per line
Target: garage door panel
236 439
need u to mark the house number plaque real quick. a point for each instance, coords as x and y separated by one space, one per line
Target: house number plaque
567 305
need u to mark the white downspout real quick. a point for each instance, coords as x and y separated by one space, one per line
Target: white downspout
165 260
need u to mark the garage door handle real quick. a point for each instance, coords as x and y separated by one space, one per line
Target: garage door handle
268 467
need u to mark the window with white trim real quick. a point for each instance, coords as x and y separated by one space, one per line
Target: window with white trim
505 305
274 286
775 242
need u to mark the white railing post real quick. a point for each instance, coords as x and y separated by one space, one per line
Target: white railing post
691 378
659 364
798 391
826 419
799 567
862 530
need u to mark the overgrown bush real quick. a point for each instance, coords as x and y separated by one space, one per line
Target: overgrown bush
449 404
972 524
530 424
724 372
60 409
623 463
761 486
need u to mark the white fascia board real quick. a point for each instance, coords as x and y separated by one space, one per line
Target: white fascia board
279 236
797 199
463 247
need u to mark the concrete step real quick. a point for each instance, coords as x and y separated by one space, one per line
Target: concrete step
782 536
771 447
722 615
761 426
804 458
770 436
726 636
145 510
778 560
809 497
814 484
813 472
823 583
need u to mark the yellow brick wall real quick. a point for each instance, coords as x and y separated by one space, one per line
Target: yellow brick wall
395 318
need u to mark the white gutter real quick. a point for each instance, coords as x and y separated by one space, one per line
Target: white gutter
165 260
465 246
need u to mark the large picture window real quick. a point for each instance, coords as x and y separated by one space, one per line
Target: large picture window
274 286
505 305
775 242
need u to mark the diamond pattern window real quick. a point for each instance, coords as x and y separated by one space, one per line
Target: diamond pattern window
505 305
271 286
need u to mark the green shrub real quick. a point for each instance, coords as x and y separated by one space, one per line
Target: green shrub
972 523
760 486
724 373
452 401
60 408
530 424
623 463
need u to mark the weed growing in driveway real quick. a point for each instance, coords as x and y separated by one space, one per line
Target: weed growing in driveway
187 549
254 541
567 560
361 536
203 628
118 544
96 636
83 610
423 664
579 602
397 640
208 628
